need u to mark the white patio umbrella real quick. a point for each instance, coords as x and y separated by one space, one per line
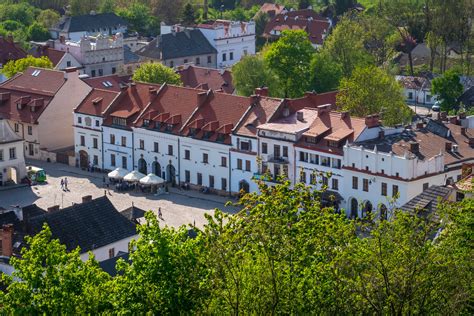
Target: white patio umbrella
134 176
117 174
151 179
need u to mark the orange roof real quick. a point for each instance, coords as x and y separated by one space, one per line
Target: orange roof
259 113
97 108
110 82
54 55
207 78
9 50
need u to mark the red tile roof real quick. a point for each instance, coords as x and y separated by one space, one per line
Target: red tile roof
110 83
33 92
9 50
308 20
207 78
54 55
96 102
271 9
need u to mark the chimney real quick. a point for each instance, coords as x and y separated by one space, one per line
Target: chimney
53 209
453 120
62 39
86 198
462 115
10 38
381 134
414 147
201 97
300 116
263 91
449 146
7 240
463 131
205 86
372 120
443 115
344 115
420 125
325 108
152 90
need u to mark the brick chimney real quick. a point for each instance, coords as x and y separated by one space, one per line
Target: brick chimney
453 120
7 240
86 198
449 146
420 125
263 91
53 209
462 115
372 120
443 116
325 108
414 147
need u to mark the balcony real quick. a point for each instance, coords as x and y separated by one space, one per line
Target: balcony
277 159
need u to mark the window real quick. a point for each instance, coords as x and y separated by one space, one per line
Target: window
142 144
223 161
410 95
276 151
312 179
325 161
83 140
365 185
335 184
68 63
224 57
355 183
325 181
97 123
285 151
95 143
88 121
303 177
336 163
209 59
171 64
111 252
205 158
79 120
384 189
245 146
264 148
93 73
114 70
124 141
187 154
170 150
245 52
199 178
198 61
124 162
231 56
224 184
12 153
95 160
17 127
30 130
426 186
394 190
211 181
101 72
247 165
303 156
239 164
119 121
112 160
187 176
155 147
428 98
1 154
112 138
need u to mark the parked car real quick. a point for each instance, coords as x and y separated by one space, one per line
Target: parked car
436 107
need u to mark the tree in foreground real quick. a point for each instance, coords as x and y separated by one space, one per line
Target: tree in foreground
156 73
20 65
371 90
326 73
290 58
448 88
250 73
49 280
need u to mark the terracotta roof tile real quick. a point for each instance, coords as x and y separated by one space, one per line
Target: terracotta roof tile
36 80
9 50
96 102
111 82
54 55
259 114
215 79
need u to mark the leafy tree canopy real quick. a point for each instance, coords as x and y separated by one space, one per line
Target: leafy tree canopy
448 88
15 66
156 73
325 73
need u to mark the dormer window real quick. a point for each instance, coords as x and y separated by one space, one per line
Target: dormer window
169 128
146 123
207 135
192 132
220 137
158 125
119 121
311 139
332 143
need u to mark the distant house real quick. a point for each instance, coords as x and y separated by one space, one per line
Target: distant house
467 98
75 27
417 89
271 9
9 50
12 158
61 59
307 20
427 202
206 78
94 226
180 47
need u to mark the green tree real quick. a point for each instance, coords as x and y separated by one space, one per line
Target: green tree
261 21
346 46
250 73
448 88
107 6
80 7
342 6
20 12
325 73
371 90
303 4
15 66
188 16
139 18
36 32
156 73
290 58
166 274
48 18
53 281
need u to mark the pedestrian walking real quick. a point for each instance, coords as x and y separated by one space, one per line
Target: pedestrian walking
65 184
62 184
160 215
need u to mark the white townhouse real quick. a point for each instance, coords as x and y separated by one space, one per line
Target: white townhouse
88 134
417 90
231 39
389 170
12 158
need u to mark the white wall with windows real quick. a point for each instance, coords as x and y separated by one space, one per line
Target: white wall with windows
243 159
88 141
118 148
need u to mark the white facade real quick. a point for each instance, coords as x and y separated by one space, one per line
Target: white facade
12 158
105 252
232 40
88 141
243 159
118 148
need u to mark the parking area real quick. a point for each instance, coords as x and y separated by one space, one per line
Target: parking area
178 207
